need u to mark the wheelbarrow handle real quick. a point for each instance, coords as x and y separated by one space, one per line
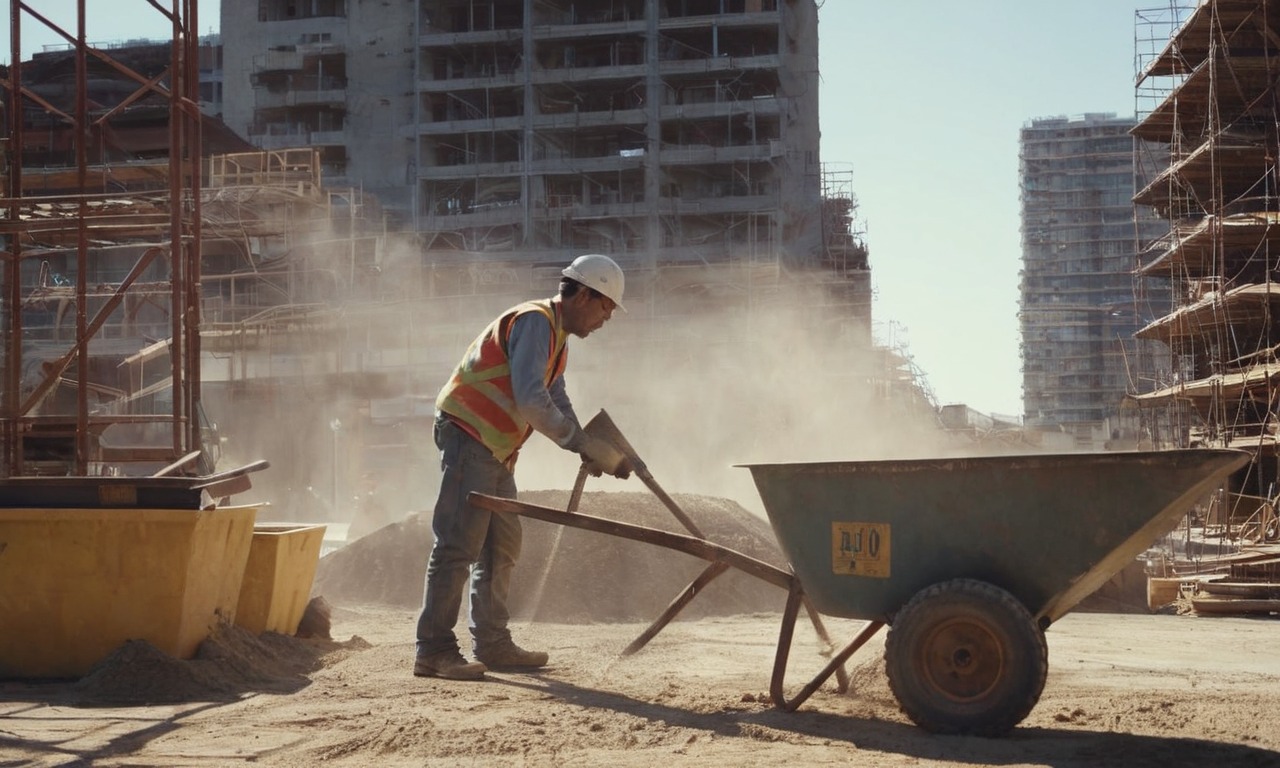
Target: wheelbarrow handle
691 545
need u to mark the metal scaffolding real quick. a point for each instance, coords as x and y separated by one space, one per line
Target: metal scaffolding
1217 124
53 414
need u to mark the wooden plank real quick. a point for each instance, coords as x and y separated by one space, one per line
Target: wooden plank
1226 605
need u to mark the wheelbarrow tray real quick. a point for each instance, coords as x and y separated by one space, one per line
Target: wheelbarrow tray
863 537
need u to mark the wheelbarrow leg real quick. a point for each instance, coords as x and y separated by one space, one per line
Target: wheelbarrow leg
795 597
697 585
700 583
842 676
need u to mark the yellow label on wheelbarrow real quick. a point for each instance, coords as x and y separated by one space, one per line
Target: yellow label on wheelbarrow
860 549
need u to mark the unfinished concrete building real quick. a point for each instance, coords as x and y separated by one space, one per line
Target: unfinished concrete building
1220 386
1078 310
663 132
675 131
332 75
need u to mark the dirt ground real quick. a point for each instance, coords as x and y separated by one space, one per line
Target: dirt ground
1123 689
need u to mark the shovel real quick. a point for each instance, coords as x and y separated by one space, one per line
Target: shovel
603 428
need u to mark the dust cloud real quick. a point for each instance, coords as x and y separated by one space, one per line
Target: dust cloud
697 385
701 392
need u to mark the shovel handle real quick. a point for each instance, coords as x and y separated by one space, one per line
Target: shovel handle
670 503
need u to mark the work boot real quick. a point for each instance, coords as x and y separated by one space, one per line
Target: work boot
449 665
511 656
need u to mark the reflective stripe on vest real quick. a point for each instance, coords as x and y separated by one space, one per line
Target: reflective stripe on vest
479 394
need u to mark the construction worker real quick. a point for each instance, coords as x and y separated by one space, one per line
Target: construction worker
510 382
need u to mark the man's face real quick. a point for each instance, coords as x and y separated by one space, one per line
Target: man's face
586 312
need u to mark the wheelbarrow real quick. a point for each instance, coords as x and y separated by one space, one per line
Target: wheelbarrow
968 561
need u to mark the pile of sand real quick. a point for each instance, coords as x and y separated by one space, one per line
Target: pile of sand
228 664
570 575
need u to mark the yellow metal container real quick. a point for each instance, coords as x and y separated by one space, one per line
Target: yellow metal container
278 577
1162 590
77 583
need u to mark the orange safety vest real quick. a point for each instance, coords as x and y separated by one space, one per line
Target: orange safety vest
478 397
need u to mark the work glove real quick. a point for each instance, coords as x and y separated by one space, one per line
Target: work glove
602 457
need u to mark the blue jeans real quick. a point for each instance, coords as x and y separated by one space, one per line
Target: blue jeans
471 544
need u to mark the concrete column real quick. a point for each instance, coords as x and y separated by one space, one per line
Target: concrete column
526 148
415 192
653 135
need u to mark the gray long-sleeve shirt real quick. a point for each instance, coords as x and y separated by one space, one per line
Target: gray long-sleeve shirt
547 409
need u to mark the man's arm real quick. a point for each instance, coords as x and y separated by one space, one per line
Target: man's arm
560 397
547 410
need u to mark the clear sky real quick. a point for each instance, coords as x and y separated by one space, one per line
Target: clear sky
924 101
106 21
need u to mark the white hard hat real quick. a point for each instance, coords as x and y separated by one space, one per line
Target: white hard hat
600 273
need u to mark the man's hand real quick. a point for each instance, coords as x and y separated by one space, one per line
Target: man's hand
602 457
623 470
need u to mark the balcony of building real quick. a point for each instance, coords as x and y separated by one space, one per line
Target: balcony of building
752 17
474 125
472 81
720 64
294 58
589 76
576 72
278 60
304 91
694 154
718 205
515 168
568 121
579 31
287 134
454 214
431 38
572 121
280 136
761 107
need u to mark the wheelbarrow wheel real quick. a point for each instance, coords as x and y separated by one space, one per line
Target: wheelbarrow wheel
965 657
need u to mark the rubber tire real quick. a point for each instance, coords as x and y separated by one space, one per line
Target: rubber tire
965 657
